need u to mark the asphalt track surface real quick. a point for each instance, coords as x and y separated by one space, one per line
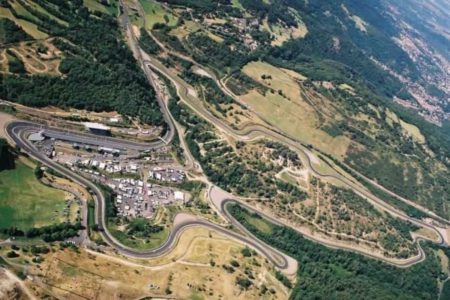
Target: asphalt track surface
256 132
421 256
87 138
18 131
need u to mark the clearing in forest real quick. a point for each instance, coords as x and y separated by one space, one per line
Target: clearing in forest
284 105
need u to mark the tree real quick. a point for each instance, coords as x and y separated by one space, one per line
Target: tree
6 156
38 172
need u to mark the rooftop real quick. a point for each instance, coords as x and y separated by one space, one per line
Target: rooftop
99 126
36 137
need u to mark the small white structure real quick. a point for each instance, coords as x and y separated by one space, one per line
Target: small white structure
97 128
178 196
37 136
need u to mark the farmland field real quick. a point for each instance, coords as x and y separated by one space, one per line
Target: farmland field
28 27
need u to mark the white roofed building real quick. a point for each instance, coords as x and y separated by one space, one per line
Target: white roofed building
97 128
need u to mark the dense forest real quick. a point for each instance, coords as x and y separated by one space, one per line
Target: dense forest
326 273
99 71
11 33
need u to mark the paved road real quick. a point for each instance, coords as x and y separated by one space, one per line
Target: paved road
170 133
221 199
86 138
18 132
256 132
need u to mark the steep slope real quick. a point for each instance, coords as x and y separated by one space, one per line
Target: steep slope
70 55
337 86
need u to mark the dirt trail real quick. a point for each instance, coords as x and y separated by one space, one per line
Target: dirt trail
9 281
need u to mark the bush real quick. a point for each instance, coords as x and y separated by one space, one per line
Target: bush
283 279
234 263
12 254
243 282
246 252
6 156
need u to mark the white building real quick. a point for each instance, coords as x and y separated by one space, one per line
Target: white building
178 196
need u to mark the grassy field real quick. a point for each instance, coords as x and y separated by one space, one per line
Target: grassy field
97 6
408 129
3 61
288 178
28 27
237 4
156 239
21 11
25 202
187 28
259 223
154 13
186 271
289 111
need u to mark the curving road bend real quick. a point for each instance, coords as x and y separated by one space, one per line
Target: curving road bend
271 130
257 132
87 138
221 199
18 132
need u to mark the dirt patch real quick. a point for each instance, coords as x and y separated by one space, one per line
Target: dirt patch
201 72
11 287
4 120
194 267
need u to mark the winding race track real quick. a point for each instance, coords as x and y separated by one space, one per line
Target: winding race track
89 139
221 199
18 132
257 131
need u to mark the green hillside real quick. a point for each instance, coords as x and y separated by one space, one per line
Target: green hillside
346 70
98 71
